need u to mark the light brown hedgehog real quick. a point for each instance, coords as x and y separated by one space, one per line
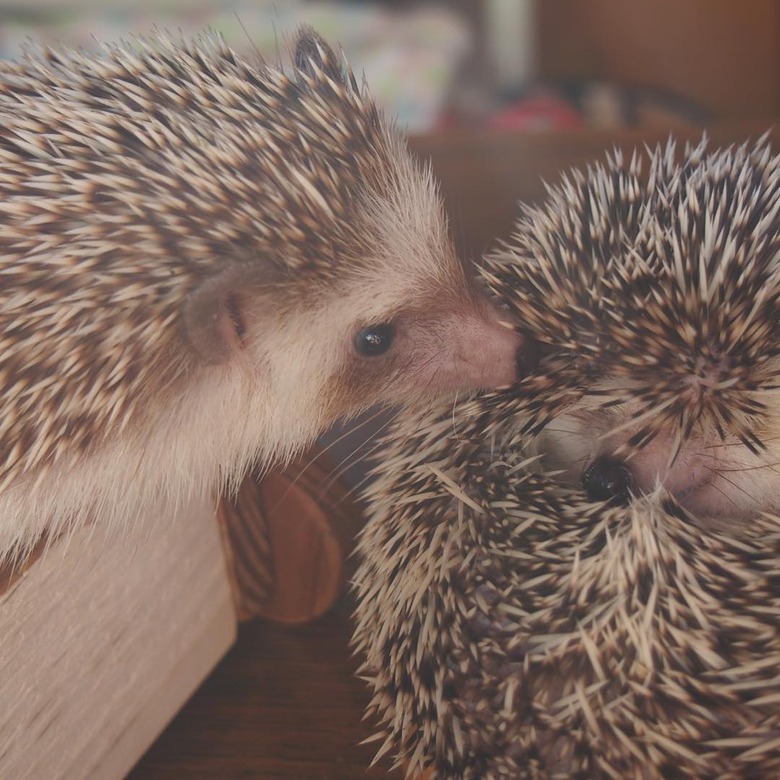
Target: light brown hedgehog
204 262
580 577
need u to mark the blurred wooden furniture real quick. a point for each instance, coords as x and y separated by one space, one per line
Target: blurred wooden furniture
723 55
484 175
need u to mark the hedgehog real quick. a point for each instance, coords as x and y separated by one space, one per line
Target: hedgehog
579 576
206 260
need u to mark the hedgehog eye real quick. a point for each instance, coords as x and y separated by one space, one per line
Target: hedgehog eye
374 340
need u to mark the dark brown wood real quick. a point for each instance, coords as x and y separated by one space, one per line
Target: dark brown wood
284 703
722 54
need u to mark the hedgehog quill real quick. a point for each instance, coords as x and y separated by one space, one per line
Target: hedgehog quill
205 262
580 576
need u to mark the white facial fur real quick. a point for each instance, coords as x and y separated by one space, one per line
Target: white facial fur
262 408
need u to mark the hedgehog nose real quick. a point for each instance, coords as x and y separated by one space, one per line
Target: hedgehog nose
607 479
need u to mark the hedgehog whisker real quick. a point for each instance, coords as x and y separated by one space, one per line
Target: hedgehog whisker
724 494
770 466
731 482
252 43
432 378
736 443
354 491
340 467
648 414
552 429
337 471
453 417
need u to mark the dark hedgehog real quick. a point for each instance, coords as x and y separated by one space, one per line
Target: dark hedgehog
205 261
580 577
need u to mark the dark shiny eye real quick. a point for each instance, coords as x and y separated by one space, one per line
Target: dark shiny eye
374 340
607 479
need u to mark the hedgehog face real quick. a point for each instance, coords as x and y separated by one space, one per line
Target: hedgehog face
345 349
578 577
346 291
655 304
713 474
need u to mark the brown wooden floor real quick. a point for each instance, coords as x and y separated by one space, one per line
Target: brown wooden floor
284 703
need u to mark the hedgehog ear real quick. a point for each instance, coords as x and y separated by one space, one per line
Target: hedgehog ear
314 58
215 315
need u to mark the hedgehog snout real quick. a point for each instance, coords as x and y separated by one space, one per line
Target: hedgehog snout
713 476
487 351
711 479
618 474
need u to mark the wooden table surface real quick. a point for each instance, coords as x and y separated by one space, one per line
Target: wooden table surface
284 703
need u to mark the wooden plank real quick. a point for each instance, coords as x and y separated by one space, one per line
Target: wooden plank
103 638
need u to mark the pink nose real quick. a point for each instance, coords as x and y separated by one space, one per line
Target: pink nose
488 354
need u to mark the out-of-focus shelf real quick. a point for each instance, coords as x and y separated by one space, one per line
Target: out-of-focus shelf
484 174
